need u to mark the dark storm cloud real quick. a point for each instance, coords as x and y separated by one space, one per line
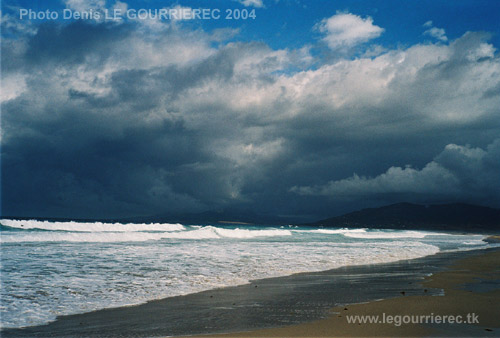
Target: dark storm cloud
114 154
112 120
73 43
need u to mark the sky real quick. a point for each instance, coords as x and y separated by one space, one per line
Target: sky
298 109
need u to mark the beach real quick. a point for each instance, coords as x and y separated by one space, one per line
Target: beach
309 304
471 286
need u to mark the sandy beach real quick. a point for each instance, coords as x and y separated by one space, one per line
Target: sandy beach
470 287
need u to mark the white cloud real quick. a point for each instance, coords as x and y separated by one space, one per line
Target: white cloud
457 171
431 179
485 50
428 24
346 30
14 24
437 33
121 6
85 5
252 3
12 86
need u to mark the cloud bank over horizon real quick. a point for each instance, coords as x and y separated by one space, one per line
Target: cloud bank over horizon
115 119
457 171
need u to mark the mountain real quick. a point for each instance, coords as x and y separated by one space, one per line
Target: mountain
457 216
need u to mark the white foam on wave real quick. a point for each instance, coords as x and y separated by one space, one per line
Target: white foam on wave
393 234
374 234
246 233
82 237
475 242
207 232
124 275
90 226
329 231
386 234
211 232
338 231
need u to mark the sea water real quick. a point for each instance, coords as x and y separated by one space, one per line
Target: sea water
50 269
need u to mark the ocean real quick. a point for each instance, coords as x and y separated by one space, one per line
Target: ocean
49 269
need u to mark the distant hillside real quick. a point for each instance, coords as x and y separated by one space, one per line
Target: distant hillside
414 216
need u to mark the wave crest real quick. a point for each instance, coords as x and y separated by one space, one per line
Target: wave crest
90 226
116 232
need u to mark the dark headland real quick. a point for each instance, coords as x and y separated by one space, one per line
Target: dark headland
455 217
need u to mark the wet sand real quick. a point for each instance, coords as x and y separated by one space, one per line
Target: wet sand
471 286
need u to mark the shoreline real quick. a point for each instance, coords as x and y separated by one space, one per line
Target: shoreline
471 290
267 303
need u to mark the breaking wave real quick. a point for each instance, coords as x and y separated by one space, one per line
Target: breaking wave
116 232
89 226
